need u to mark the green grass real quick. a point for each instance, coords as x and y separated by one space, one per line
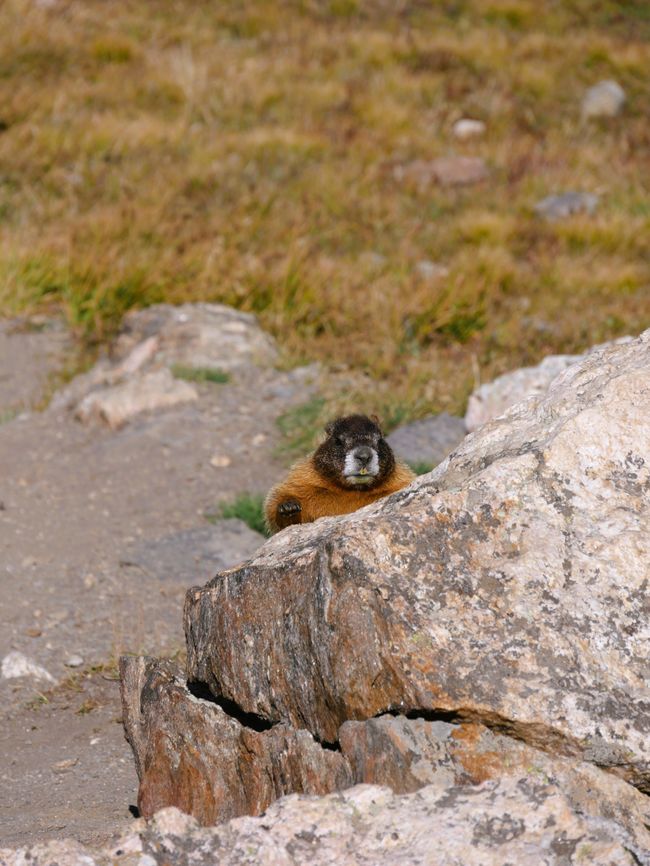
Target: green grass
248 507
300 427
190 152
421 467
7 415
200 374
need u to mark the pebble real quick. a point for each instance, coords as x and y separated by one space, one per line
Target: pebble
565 204
468 128
74 661
15 665
605 99
220 461
427 270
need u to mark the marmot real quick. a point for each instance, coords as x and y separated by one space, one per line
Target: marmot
353 467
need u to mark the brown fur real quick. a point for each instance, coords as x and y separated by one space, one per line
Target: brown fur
321 496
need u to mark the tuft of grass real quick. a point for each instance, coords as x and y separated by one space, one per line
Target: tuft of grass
200 374
7 415
248 507
421 467
300 427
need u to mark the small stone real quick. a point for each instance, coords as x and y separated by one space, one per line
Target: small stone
372 261
74 661
259 439
427 270
64 766
605 99
220 461
16 665
118 404
468 128
446 170
562 205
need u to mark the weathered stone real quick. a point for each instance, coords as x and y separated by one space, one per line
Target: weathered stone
561 205
445 170
466 128
525 819
189 753
16 665
118 404
182 556
508 587
492 399
427 270
429 440
605 99
198 335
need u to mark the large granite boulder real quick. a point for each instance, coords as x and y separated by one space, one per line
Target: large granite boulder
480 636
508 587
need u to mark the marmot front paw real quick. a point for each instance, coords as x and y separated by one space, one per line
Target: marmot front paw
289 512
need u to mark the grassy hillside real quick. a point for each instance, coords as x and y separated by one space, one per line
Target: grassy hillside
245 153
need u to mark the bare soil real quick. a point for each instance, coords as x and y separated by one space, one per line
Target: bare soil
101 533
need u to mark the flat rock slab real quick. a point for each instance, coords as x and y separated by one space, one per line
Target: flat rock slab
30 352
562 205
182 556
508 587
429 440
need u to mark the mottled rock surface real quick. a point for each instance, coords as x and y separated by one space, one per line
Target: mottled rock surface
118 404
525 819
605 99
562 205
428 441
507 587
190 753
445 170
154 343
492 399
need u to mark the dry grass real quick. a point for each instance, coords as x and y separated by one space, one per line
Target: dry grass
244 152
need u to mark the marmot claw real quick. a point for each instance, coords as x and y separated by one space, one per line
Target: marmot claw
289 507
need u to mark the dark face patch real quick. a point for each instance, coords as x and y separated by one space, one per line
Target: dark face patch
343 436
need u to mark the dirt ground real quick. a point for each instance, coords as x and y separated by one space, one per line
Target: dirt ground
101 532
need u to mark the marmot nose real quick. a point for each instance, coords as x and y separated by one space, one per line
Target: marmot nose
363 455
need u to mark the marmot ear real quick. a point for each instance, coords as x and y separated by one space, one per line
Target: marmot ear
329 427
375 420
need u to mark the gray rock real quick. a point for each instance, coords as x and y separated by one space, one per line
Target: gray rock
525 819
16 665
445 170
427 270
192 554
198 335
605 99
466 128
555 207
428 441
492 399
74 661
142 393
508 586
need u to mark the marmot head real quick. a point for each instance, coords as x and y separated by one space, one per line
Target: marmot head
355 454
